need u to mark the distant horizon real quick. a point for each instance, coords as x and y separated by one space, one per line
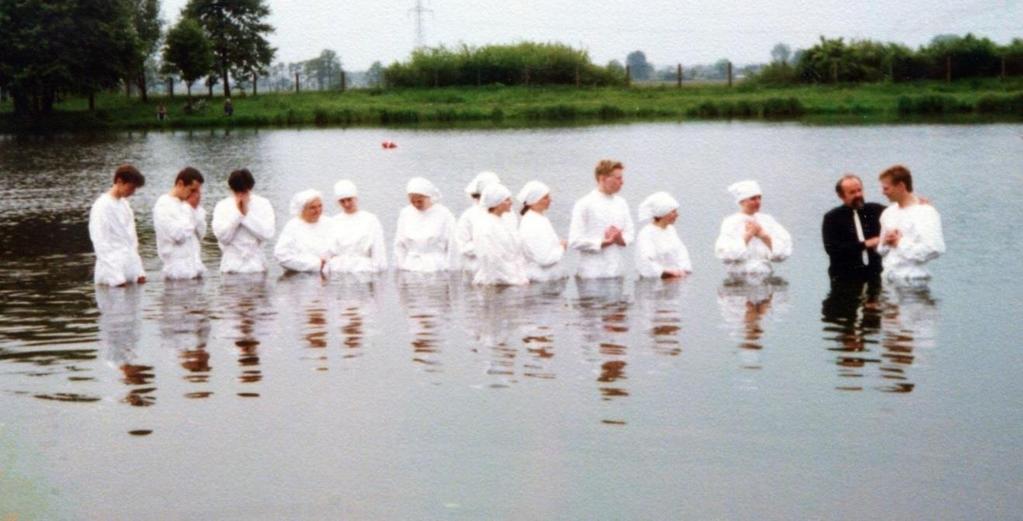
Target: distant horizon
666 31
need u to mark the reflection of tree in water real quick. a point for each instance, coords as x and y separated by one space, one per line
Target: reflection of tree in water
246 300
185 327
744 306
908 316
426 298
603 313
119 337
658 302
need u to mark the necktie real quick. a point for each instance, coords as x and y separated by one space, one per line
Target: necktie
859 235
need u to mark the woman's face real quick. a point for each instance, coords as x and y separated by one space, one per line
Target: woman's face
312 210
668 218
502 207
420 202
542 204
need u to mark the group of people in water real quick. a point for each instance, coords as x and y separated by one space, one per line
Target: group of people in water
495 242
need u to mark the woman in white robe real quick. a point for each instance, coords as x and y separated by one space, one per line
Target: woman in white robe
541 247
306 242
751 240
498 246
359 237
424 240
659 251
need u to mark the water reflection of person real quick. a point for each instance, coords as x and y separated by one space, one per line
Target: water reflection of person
908 316
542 317
744 305
494 315
119 337
426 298
658 302
851 314
356 304
603 310
185 326
305 294
245 296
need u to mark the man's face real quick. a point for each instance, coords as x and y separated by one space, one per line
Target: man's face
349 204
852 193
419 202
893 191
750 205
189 189
125 189
612 183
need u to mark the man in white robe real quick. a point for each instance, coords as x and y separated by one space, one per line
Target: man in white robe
112 231
601 225
911 234
180 224
359 237
243 222
750 241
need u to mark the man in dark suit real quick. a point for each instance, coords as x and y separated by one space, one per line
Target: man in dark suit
851 234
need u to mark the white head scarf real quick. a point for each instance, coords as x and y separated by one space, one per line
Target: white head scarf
744 190
657 205
532 192
480 182
299 200
493 195
421 186
344 189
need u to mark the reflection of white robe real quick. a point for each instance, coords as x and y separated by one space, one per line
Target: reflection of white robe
659 250
464 234
591 216
179 230
541 247
118 322
499 251
752 259
241 237
359 244
112 230
425 241
921 241
302 245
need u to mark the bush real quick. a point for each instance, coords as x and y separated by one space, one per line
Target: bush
930 104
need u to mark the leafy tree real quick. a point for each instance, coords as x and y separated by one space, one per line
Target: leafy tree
781 53
187 52
145 15
375 74
639 68
237 31
325 68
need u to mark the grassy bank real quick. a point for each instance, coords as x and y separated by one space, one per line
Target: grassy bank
525 106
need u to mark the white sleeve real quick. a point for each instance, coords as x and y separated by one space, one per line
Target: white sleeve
171 223
290 255
781 241
379 248
577 238
199 225
629 231
463 234
260 220
454 259
400 249
730 247
100 219
929 242
646 257
684 262
538 245
226 220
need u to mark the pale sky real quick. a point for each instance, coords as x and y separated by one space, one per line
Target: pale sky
668 31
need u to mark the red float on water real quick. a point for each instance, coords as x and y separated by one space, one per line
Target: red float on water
389 144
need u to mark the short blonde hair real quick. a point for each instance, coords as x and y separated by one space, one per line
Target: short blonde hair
605 167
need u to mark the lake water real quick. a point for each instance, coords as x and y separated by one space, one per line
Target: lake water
421 398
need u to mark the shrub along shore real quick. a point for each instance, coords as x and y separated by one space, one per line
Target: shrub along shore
966 100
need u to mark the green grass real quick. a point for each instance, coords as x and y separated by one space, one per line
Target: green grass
529 106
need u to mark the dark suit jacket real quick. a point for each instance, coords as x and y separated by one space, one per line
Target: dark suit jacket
842 246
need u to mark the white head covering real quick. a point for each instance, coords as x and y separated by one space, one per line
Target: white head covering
744 190
532 192
420 185
344 189
493 195
480 182
657 205
299 200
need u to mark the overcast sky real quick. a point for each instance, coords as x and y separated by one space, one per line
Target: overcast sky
668 31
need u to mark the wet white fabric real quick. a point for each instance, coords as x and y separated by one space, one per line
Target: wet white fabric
500 253
344 189
480 182
660 249
493 195
744 190
591 216
751 260
532 192
358 244
241 237
922 241
656 205
464 234
303 246
541 248
299 200
425 241
179 232
422 186
112 230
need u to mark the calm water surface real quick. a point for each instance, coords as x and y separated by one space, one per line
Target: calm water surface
412 397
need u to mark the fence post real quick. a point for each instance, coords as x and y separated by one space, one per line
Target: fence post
948 69
729 74
834 72
344 81
297 88
679 75
628 76
255 83
170 87
578 82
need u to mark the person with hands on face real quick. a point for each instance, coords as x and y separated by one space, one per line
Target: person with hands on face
242 223
180 224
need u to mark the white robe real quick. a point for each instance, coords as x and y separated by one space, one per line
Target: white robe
241 237
425 241
499 250
359 244
464 234
922 240
112 230
751 260
591 216
302 246
658 250
541 247
179 230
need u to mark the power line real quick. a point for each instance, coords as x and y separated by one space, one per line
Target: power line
418 11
